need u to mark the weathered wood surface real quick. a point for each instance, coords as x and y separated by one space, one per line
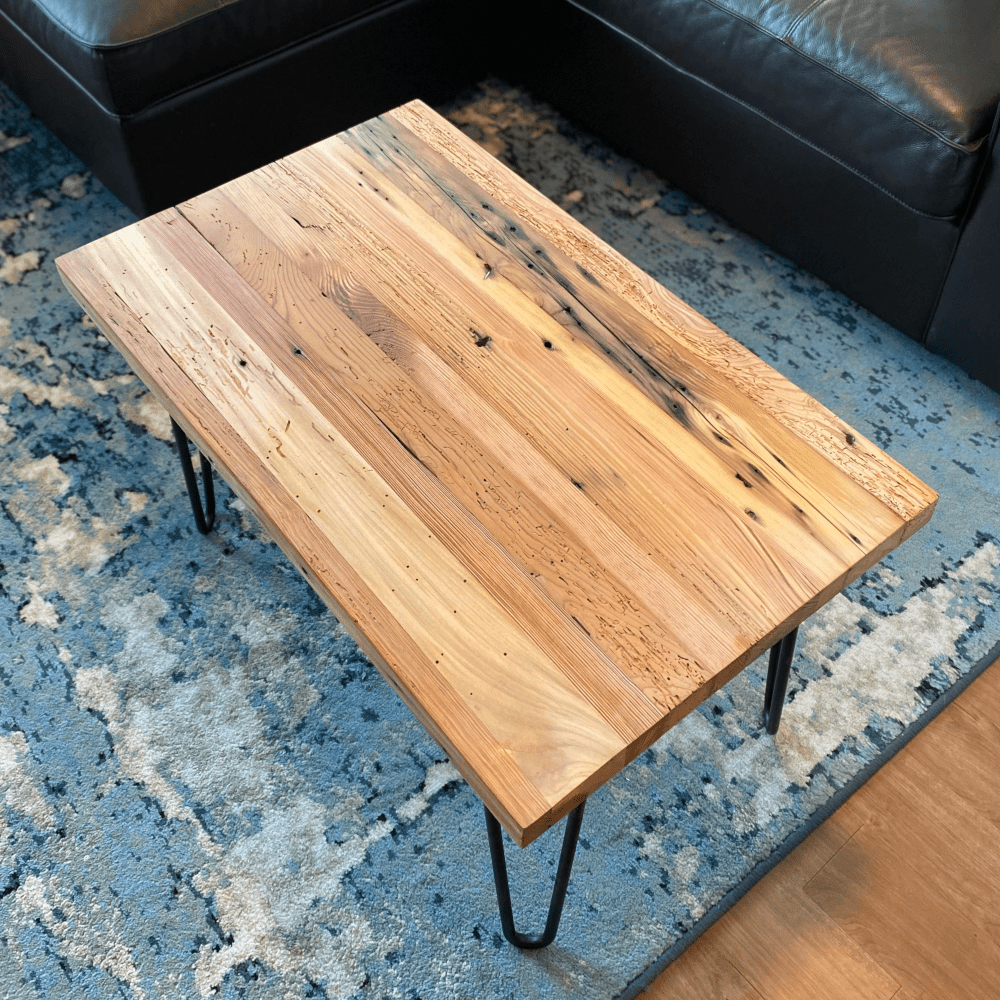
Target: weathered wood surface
556 506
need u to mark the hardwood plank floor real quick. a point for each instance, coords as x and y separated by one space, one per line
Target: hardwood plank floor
895 896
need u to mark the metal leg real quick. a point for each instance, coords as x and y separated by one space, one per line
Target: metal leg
570 837
778 667
202 519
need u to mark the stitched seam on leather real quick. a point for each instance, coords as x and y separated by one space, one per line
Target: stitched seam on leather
966 147
222 74
60 69
962 147
112 46
255 60
101 47
795 23
761 114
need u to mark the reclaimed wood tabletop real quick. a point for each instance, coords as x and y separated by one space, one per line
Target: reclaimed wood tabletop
554 505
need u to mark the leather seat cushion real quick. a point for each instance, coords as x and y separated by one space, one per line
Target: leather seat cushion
129 54
902 92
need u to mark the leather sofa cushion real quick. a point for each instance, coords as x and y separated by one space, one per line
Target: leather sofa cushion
902 92
129 54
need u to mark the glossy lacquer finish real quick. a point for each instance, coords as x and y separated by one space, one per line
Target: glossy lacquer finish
556 506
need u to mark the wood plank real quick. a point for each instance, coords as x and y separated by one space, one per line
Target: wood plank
780 942
427 189
967 740
603 581
910 945
419 489
888 892
337 583
435 196
410 175
535 728
841 444
704 973
664 448
312 246
916 886
923 791
559 417
985 706
633 505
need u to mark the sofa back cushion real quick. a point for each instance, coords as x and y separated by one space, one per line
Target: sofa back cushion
129 54
902 92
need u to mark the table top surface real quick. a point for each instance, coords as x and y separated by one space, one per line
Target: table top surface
555 505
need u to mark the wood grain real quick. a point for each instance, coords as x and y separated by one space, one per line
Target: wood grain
905 871
519 496
776 943
985 707
556 509
793 408
704 974
901 878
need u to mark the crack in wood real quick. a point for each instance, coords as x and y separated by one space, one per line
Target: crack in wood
402 443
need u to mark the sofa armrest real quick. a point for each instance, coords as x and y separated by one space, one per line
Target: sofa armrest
965 326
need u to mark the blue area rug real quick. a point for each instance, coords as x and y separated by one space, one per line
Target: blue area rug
206 790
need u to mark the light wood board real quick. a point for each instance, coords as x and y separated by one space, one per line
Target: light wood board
555 506
900 884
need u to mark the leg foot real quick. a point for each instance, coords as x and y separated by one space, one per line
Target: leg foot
778 667
203 517
570 838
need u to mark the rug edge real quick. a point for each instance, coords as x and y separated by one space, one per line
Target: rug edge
645 979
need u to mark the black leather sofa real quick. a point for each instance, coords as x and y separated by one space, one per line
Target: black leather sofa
855 136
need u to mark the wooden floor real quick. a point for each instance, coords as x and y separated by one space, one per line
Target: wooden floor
897 895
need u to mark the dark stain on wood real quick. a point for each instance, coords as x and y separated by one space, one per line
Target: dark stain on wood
403 444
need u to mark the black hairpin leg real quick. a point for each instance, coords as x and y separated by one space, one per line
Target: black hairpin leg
778 667
204 518
570 837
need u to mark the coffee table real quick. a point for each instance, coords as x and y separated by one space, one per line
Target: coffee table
555 506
